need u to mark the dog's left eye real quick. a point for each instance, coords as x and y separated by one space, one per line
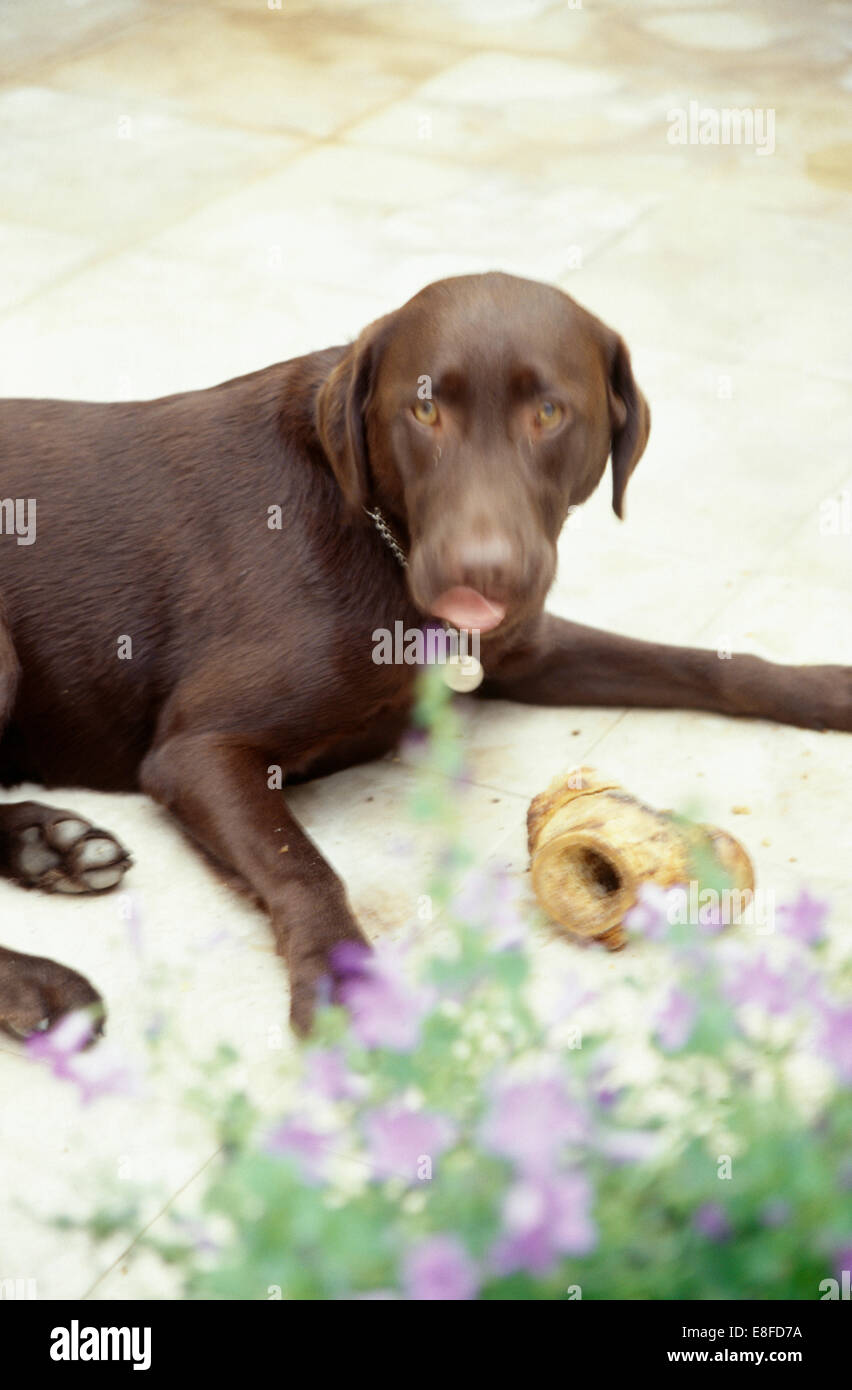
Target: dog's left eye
426 412
548 415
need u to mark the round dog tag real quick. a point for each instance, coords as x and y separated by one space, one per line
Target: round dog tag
462 673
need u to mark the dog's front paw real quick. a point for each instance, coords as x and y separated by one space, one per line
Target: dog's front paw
59 852
319 970
827 699
36 992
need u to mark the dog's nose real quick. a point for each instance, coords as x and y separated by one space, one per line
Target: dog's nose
478 567
485 562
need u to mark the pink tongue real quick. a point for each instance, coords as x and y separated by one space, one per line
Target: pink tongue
465 607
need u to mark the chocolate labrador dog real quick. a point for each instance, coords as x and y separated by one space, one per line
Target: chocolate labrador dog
190 587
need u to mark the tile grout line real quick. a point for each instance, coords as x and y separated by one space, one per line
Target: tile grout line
134 244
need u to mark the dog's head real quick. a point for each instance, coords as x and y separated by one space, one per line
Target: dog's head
476 417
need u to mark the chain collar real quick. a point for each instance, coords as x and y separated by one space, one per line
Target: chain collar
387 535
461 673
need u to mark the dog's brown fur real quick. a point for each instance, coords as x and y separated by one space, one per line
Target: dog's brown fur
253 646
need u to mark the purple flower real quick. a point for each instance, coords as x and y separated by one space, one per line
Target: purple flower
414 742
130 916
488 898
202 1242
711 1220
297 1140
508 928
711 919
843 1261
675 1020
327 1075
756 982
63 1041
776 1212
385 1009
399 1141
604 1089
569 998
835 1041
805 918
545 1218
649 916
530 1122
102 1072
439 1268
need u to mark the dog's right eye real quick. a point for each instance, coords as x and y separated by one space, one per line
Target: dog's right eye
548 415
426 412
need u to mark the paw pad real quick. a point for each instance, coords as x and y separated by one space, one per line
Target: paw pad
68 855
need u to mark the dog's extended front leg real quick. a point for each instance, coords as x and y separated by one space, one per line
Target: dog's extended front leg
563 663
218 790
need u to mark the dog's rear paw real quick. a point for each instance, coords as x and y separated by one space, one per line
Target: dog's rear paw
60 852
36 992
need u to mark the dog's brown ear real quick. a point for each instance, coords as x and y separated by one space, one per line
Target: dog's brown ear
631 421
341 414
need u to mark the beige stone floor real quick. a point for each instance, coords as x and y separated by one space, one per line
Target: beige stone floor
193 190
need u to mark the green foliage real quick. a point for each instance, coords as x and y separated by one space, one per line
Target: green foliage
748 1194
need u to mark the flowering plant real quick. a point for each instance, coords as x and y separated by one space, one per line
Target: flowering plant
463 1125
